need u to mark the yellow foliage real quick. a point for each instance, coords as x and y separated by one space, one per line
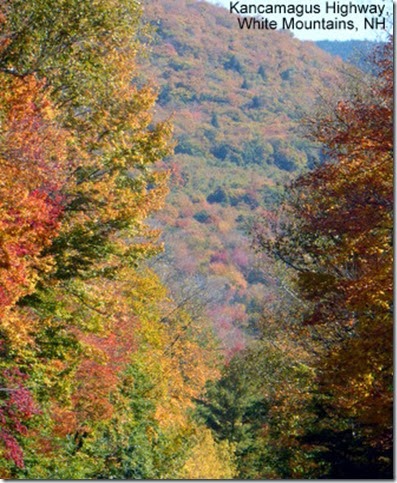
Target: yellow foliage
209 460
174 349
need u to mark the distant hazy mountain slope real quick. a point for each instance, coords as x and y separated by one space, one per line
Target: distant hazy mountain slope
354 51
237 99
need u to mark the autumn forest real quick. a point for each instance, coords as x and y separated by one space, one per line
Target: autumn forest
195 247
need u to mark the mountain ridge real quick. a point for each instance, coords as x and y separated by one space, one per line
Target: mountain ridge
237 99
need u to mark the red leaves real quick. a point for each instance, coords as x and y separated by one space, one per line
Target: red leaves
98 375
334 232
95 382
12 449
345 231
32 150
17 407
32 160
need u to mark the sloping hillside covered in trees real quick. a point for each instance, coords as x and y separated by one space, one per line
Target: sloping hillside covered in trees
237 100
312 397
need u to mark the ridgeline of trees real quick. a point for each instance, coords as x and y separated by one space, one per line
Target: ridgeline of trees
236 99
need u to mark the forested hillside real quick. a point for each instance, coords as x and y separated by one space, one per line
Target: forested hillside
195 248
237 100
99 365
312 397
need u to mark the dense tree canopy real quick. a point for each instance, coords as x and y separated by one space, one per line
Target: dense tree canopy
104 372
334 233
98 365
